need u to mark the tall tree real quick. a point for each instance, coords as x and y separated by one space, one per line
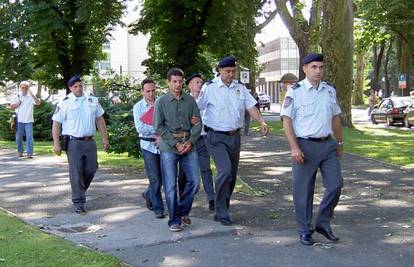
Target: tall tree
338 46
65 37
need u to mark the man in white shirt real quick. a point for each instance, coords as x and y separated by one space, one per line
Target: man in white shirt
23 104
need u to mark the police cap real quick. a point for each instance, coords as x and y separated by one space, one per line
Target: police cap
75 78
199 75
312 57
229 61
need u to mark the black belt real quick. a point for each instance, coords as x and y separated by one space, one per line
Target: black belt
147 138
229 133
85 138
319 139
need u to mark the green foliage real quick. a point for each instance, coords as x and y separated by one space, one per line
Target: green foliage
123 136
63 37
5 118
193 35
42 126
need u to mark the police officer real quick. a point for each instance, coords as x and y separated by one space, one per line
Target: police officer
310 115
223 102
79 115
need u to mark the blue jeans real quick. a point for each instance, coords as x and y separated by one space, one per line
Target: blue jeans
153 170
27 128
182 206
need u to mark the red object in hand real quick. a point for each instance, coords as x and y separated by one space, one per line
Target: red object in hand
147 118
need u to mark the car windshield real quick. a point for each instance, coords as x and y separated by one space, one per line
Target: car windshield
402 102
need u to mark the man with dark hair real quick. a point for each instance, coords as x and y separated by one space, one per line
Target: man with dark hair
224 102
310 115
143 113
79 115
174 112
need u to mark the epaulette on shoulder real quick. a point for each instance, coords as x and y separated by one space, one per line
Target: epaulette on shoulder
295 86
238 81
330 84
209 82
66 98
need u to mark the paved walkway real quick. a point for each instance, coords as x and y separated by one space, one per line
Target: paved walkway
375 218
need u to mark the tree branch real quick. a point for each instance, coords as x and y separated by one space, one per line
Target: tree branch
271 16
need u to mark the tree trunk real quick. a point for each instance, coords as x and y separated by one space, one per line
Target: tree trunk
338 46
386 76
357 95
39 89
376 64
404 63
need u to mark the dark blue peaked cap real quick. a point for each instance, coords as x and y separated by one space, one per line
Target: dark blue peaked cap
75 78
192 76
312 57
229 61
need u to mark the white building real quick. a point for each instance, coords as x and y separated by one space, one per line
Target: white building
277 58
125 52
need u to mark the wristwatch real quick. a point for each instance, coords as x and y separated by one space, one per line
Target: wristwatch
340 143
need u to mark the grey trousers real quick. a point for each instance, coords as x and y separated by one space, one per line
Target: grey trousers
318 155
83 163
225 151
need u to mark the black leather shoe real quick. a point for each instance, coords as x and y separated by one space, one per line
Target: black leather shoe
306 239
80 210
223 221
327 233
159 215
147 201
211 206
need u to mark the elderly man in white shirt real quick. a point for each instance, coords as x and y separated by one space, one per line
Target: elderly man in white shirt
23 104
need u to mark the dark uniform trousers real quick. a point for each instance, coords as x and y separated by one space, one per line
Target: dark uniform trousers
83 163
320 155
225 151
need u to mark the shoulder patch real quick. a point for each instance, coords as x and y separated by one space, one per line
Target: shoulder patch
209 82
238 81
288 101
295 86
66 98
331 85
56 110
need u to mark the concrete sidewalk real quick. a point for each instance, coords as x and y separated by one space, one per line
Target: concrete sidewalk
375 217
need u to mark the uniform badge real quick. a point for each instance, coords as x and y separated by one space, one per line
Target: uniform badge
56 110
90 100
238 92
330 93
288 101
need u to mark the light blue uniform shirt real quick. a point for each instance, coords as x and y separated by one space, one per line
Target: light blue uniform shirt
311 109
144 129
223 107
78 115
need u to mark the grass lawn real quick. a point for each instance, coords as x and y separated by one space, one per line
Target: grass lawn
24 245
389 145
104 159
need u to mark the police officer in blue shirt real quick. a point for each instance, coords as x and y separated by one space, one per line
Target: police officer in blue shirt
310 115
223 102
78 116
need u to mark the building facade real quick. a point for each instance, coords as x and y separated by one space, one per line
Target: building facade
277 58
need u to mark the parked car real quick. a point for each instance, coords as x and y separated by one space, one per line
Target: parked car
264 101
409 116
391 110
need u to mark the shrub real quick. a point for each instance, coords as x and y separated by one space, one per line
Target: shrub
42 126
5 118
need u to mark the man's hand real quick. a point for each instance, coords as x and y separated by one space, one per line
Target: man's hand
297 155
265 128
183 148
57 148
157 140
340 151
195 120
105 144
